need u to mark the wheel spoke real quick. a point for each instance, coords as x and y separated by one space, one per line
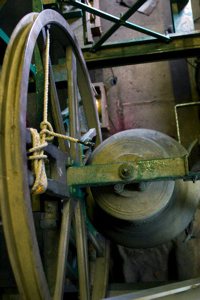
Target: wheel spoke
93 239
39 84
82 251
50 238
56 111
63 249
80 224
72 100
101 274
86 91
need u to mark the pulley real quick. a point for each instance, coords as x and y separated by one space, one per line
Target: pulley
144 214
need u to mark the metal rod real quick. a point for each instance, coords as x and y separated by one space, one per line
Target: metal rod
113 28
95 243
116 20
136 51
136 171
72 99
63 250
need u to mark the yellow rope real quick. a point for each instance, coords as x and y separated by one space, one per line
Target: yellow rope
39 140
40 184
46 134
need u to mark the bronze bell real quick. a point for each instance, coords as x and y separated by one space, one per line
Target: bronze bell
144 214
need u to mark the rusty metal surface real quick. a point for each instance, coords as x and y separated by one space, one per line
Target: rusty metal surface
130 172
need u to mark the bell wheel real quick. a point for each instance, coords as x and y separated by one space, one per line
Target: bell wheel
47 234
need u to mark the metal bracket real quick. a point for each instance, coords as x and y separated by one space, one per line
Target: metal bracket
176 116
144 170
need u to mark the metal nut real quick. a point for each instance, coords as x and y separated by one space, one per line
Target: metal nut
126 171
119 187
143 186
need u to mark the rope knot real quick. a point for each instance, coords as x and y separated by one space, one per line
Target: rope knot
39 140
40 184
47 129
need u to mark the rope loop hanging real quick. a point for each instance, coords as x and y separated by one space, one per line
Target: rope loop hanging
46 134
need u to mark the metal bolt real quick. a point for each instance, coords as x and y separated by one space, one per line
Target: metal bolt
126 171
70 162
119 187
143 186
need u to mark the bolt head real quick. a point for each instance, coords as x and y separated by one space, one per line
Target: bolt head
143 186
126 171
119 187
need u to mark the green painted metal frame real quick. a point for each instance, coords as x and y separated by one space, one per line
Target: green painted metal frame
124 18
136 51
6 39
182 15
130 52
119 21
4 36
145 170
178 106
143 50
